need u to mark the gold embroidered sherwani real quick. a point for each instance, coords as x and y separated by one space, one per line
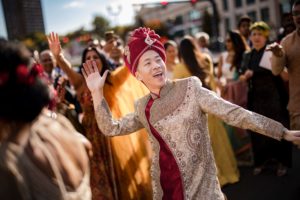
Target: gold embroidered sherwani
179 116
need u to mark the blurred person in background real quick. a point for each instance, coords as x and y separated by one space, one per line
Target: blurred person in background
41 154
116 54
287 55
48 62
266 96
171 56
113 49
287 26
203 42
244 28
65 97
94 43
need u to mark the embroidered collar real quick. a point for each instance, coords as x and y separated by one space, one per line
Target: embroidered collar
163 91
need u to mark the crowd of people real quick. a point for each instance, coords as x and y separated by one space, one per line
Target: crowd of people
64 133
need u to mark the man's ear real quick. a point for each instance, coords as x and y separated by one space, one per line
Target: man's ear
137 76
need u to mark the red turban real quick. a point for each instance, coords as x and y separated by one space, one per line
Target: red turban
141 40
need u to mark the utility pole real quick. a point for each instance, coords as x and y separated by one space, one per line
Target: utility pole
215 29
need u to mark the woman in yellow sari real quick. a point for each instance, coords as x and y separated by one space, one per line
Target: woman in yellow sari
195 63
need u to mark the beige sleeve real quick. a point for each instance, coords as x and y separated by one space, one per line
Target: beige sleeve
236 115
111 127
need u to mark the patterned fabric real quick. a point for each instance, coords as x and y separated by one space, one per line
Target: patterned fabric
224 157
170 178
179 115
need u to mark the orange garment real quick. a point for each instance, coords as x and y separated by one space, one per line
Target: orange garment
131 153
120 167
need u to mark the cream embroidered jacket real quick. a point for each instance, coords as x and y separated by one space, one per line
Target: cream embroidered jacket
179 116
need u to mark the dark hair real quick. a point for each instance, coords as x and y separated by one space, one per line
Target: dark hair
296 3
189 53
21 100
239 46
244 18
170 43
101 56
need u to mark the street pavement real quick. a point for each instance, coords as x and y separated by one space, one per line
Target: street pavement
267 186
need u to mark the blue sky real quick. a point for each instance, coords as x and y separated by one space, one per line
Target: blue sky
63 16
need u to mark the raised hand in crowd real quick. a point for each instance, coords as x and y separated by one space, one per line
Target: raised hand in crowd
276 49
54 43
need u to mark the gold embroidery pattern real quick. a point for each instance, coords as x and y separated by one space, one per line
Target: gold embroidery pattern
180 118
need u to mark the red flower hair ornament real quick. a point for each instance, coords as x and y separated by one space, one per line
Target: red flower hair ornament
23 75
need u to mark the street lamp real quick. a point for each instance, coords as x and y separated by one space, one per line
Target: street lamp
114 10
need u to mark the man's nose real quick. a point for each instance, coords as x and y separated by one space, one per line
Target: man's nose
157 66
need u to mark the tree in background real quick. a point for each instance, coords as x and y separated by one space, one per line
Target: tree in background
35 41
101 25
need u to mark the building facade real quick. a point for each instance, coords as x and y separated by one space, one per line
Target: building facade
185 18
23 17
269 11
180 19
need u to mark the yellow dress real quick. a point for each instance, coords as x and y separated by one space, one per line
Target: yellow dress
131 152
225 160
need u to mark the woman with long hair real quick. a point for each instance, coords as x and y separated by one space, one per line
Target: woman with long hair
230 61
171 56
